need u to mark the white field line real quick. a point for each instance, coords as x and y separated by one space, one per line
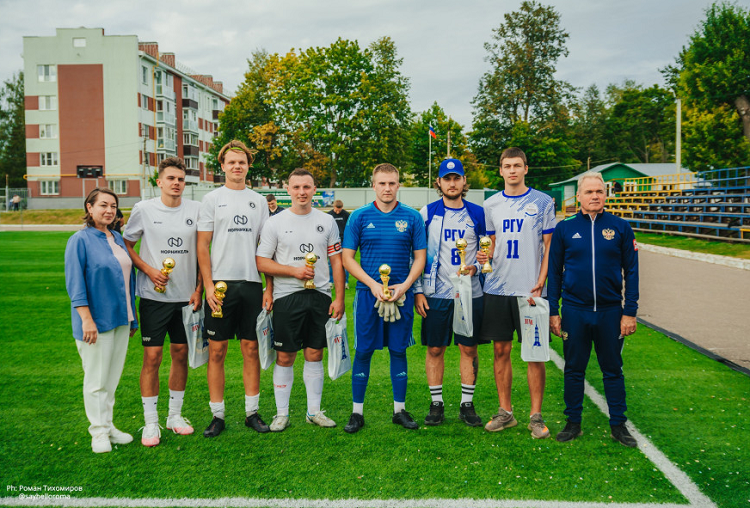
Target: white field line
679 479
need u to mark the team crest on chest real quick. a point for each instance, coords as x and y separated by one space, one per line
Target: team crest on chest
608 234
401 225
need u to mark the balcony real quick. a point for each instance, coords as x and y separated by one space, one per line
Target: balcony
167 145
190 125
190 151
164 117
165 91
189 103
216 114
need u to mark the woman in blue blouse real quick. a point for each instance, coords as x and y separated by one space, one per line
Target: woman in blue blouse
101 284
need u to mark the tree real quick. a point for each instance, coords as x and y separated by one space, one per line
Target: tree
711 76
521 87
589 126
13 131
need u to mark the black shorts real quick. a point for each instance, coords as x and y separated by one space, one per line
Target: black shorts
437 327
242 304
159 319
501 318
299 321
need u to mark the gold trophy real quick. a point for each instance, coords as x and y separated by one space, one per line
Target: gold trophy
168 267
310 259
484 244
385 271
461 245
219 289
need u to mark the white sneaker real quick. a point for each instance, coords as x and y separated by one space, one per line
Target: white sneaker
320 419
151 434
179 425
117 436
100 443
279 423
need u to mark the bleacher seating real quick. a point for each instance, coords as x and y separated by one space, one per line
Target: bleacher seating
712 205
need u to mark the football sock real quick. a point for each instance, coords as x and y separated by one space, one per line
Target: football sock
251 404
312 374
149 409
358 408
217 409
437 393
399 406
283 378
175 402
399 376
360 376
467 393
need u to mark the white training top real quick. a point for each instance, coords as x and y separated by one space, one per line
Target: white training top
518 223
236 218
288 237
166 232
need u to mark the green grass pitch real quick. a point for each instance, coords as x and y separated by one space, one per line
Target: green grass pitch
693 409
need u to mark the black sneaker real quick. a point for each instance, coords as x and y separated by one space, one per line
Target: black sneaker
468 415
436 415
405 420
255 422
356 422
214 428
620 433
570 432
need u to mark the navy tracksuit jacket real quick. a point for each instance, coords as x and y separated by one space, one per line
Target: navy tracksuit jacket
588 261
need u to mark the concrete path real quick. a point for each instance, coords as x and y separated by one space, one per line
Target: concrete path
706 303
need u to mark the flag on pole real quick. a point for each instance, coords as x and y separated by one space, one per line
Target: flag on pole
432 132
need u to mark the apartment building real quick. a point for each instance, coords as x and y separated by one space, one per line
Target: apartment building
104 110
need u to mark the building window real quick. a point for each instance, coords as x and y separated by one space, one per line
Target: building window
144 74
48 158
191 163
48 102
190 139
79 42
48 131
49 187
47 72
144 102
118 186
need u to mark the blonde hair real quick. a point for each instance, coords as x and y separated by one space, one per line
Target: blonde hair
237 146
591 175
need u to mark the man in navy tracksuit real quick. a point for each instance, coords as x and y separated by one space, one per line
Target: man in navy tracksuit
590 255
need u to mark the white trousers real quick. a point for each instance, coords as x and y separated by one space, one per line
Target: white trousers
102 362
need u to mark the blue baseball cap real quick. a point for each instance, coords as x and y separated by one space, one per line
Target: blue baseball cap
449 166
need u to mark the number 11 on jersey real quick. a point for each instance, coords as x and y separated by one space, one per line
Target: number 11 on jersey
512 249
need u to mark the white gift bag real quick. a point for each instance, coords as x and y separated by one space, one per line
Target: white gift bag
534 329
462 305
339 357
264 333
197 345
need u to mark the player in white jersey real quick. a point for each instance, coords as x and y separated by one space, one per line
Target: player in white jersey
300 314
167 228
231 219
446 220
520 221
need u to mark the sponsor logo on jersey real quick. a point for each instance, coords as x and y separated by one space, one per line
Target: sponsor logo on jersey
174 242
531 209
608 234
576 236
370 226
319 228
189 222
240 220
252 205
305 248
401 225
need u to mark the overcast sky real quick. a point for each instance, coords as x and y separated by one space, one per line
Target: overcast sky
441 41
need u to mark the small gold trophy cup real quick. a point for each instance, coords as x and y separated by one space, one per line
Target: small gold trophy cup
461 245
168 267
485 243
385 271
310 259
219 293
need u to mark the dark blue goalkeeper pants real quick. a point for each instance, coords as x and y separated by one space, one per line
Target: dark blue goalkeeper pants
602 328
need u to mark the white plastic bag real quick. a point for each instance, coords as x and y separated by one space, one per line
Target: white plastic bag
462 305
197 345
264 333
534 329
339 359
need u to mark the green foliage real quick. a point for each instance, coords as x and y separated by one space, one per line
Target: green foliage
336 110
13 131
589 127
711 76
